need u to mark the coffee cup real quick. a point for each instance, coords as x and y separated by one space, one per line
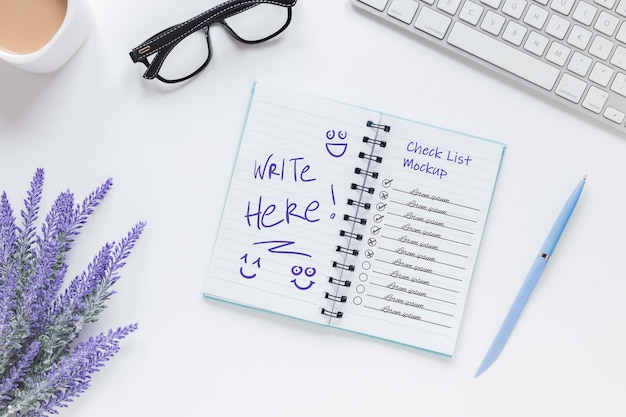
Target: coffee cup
42 35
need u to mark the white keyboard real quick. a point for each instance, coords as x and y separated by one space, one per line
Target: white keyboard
571 50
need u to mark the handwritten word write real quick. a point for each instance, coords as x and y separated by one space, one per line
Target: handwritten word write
282 169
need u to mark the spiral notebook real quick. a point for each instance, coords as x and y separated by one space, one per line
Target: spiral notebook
354 219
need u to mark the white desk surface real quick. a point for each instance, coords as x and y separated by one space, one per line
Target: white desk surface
170 152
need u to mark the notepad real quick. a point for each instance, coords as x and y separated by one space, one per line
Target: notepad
354 219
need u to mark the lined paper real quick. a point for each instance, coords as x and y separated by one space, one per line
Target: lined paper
280 227
420 246
318 198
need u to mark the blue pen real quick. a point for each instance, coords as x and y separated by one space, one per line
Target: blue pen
531 280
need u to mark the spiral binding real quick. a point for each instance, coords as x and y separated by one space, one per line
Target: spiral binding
334 314
369 190
377 126
353 219
374 158
353 252
367 172
338 298
345 267
366 206
378 142
350 235
339 282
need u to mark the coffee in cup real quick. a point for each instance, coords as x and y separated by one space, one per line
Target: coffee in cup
41 35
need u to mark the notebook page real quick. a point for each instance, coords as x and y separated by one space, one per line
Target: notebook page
280 227
423 234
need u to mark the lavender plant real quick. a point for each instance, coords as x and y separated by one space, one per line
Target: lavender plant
43 365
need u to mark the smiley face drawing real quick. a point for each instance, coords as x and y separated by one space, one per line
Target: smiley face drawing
308 272
336 146
245 274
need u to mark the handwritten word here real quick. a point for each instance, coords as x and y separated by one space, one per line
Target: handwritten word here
262 214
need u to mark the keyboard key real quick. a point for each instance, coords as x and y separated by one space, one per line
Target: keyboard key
621 8
585 13
471 12
614 115
606 3
619 84
579 64
579 37
557 27
506 57
606 23
403 10
492 23
601 74
595 99
619 57
571 88
558 53
449 6
433 23
514 33
536 43
536 16
621 34
514 8
377 4
493 3
601 47
562 6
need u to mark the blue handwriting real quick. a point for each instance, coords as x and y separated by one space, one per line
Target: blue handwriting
247 275
280 168
267 216
277 246
436 153
336 149
309 272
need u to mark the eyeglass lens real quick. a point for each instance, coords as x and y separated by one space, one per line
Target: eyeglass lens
191 54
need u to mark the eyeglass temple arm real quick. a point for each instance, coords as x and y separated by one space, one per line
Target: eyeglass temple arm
163 42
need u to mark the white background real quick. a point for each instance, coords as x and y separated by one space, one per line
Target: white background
170 152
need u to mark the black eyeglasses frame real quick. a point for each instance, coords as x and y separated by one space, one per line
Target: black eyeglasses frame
165 41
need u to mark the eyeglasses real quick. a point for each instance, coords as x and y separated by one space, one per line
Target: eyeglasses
182 51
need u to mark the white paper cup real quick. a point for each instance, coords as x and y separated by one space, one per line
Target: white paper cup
65 42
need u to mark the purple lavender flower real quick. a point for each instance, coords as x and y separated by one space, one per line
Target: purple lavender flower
8 232
71 375
39 370
17 372
85 297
